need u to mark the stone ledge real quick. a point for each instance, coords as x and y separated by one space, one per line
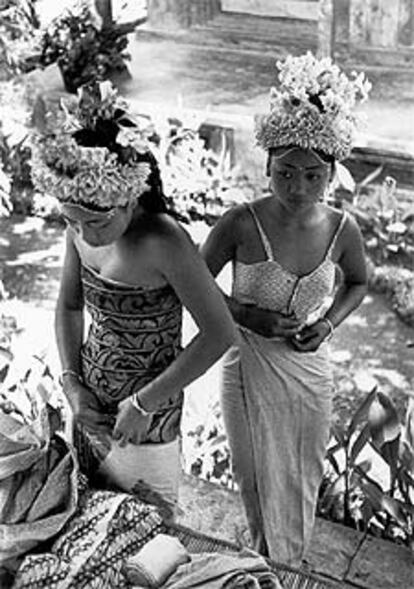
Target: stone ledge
383 565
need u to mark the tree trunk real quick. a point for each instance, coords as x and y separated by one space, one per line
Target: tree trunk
104 9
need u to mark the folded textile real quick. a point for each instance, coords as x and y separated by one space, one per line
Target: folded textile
90 551
35 501
156 561
224 571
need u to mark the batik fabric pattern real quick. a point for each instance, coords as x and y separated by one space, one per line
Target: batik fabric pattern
89 553
134 335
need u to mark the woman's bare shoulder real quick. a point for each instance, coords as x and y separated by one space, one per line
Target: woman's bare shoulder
346 226
160 234
237 217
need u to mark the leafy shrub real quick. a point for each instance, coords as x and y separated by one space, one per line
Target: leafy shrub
84 46
23 392
369 481
16 186
19 37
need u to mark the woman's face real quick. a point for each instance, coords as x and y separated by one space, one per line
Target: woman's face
298 177
97 228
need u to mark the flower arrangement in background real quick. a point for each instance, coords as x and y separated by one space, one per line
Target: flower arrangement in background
84 46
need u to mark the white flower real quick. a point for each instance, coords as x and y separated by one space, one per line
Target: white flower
106 90
132 137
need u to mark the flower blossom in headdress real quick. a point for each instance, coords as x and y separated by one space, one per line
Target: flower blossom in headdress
313 107
95 153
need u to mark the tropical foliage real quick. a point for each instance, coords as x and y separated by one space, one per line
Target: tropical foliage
369 481
19 37
24 387
15 181
84 46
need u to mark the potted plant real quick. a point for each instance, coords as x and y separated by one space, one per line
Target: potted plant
85 46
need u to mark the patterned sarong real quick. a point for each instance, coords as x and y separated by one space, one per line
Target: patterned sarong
90 551
135 333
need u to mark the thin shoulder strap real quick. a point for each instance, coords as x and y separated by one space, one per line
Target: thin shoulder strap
337 232
265 242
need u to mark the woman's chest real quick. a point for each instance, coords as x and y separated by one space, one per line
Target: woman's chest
118 265
299 253
268 285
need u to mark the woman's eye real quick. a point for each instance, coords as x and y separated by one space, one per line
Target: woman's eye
97 224
284 174
313 177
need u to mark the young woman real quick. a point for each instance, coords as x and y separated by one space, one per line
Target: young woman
285 250
131 265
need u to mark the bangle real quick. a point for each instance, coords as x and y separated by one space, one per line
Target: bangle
138 406
69 372
330 326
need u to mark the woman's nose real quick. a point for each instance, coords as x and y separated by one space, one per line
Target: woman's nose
298 185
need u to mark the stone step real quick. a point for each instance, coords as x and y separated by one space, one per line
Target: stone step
377 57
245 33
266 33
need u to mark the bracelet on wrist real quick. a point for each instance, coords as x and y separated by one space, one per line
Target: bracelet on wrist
330 326
138 406
69 372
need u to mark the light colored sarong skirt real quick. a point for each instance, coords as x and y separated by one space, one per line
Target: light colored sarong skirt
276 406
149 469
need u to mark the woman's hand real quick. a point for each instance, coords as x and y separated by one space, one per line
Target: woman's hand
270 323
86 408
131 425
311 336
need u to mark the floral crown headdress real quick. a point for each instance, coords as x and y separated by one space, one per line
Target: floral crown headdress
313 107
94 153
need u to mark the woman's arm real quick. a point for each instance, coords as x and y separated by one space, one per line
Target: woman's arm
219 249
353 265
184 269
69 325
350 293
69 310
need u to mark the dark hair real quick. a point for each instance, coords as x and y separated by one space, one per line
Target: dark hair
153 200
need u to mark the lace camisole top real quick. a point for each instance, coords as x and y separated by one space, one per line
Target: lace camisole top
269 285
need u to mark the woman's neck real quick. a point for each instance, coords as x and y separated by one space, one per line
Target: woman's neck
300 218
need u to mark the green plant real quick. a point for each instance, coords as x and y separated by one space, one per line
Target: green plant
19 28
206 451
15 181
23 390
200 184
386 221
369 483
84 46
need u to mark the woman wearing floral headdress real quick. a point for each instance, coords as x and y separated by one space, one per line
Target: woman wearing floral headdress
285 250
134 268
